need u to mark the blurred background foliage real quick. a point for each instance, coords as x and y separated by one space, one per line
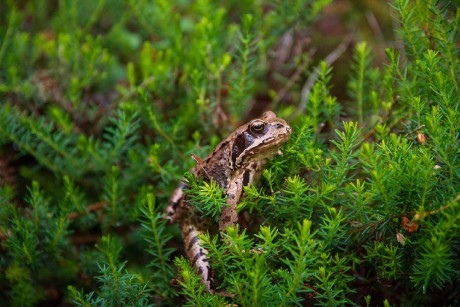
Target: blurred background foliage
103 102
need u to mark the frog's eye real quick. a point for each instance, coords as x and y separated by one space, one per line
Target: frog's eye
258 127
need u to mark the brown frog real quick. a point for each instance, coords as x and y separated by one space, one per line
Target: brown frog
236 162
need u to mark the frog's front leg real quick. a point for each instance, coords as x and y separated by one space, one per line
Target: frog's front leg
229 214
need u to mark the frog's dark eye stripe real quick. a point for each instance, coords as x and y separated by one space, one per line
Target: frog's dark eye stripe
242 142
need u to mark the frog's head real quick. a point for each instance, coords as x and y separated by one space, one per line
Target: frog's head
259 140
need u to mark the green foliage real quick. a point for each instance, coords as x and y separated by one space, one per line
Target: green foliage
119 287
303 256
102 103
362 85
157 239
193 288
37 248
240 91
437 264
332 280
322 107
207 197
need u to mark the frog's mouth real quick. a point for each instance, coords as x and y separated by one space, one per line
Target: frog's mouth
283 133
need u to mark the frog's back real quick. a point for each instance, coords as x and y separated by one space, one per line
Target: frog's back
216 166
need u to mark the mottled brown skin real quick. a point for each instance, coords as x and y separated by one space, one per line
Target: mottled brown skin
236 162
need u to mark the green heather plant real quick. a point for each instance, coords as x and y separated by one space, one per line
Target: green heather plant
102 104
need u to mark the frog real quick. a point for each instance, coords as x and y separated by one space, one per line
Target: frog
237 162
